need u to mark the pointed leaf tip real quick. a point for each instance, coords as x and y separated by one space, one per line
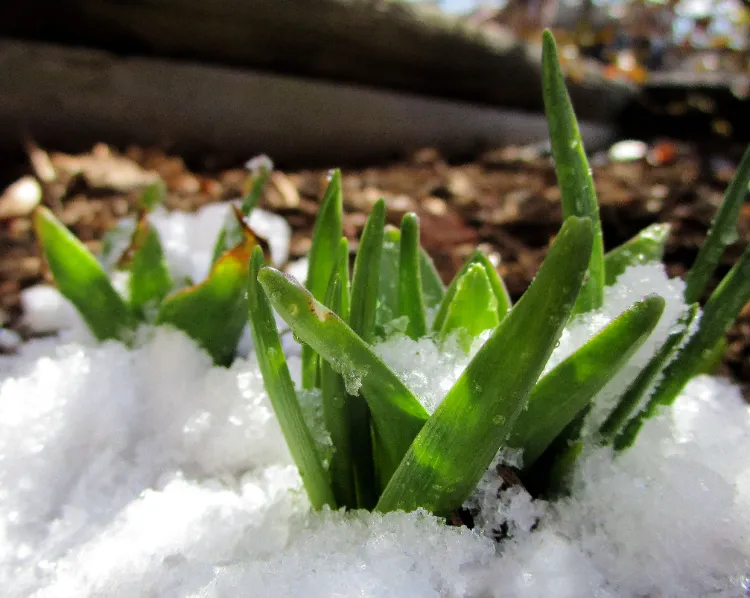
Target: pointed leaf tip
214 312
82 280
577 192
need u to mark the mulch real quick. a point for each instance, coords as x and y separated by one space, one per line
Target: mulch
505 201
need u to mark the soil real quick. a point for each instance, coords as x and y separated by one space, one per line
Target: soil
505 201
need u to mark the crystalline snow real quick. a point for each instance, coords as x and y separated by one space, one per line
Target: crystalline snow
670 517
424 367
45 310
363 554
149 472
634 284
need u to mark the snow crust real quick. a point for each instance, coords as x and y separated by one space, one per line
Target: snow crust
149 472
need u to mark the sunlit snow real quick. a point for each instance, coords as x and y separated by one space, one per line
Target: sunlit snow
149 472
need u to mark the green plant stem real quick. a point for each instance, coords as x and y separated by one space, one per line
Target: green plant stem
720 311
281 393
397 414
326 237
410 300
362 315
335 413
633 397
497 284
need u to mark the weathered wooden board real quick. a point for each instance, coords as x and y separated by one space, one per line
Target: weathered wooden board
377 43
69 98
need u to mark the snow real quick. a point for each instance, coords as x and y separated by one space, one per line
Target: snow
150 472
45 310
189 238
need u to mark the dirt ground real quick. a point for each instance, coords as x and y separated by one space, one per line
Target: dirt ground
505 200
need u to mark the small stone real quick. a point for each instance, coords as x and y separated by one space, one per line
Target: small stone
20 198
628 151
282 192
426 157
460 185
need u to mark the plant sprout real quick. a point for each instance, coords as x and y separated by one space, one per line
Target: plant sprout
213 312
410 459
389 452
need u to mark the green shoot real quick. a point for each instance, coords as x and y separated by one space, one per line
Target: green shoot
335 413
498 288
646 247
327 234
572 167
149 281
396 413
611 428
362 318
83 281
473 308
566 390
723 232
453 450
410 299
281 392
214 312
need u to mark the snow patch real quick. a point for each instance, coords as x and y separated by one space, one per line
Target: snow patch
149 472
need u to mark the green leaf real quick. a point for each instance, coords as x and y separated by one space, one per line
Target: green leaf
723 232
410 299
573 172
498 288
152 196
453 450
387 304
364 298
326 237
342 269
255 186
281 393
433 289
214 312
616 427
719 313
397 414
473 308
149 281
366 277
646 247
563 465
713 358
82 280
566 390
336 415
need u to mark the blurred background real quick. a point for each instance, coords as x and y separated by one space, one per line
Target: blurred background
434 105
